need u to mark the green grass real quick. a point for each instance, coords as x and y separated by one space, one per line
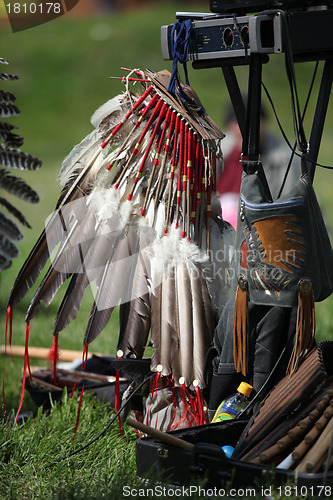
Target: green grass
35 461
64 76
31 456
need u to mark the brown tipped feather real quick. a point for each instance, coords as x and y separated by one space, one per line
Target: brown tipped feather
170 355
71 302
202 330
135 323
113 287
184 298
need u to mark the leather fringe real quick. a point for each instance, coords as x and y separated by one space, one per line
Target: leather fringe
241 326
305 325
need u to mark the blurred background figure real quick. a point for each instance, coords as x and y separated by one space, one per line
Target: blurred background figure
275 156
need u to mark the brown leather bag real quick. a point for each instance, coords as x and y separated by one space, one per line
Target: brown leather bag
284 258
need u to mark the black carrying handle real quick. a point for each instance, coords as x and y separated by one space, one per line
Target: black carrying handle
203 454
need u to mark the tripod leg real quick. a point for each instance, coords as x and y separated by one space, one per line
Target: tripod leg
320 115
235 96
251 143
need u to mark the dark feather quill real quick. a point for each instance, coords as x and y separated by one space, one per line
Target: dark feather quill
208 311
8 109
7 248
15 212
11 140
99 317
71 302
30 271
7 96
19 159
17 187
7 126
6 76
9 228
4 263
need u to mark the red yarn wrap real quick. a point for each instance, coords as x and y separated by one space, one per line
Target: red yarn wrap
26 364
84 362
53 357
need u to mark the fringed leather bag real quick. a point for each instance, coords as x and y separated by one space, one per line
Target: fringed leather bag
284 258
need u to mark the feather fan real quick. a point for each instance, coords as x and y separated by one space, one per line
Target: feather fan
136 222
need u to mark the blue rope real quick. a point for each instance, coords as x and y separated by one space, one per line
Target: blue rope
180 41
179 51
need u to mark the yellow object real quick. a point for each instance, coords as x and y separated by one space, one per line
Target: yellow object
245 388
221 413
219 417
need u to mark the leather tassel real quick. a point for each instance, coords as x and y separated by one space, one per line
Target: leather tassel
305 325
241 326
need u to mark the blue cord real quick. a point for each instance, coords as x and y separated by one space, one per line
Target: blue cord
179 52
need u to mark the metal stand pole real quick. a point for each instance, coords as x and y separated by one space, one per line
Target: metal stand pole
235 96
319 117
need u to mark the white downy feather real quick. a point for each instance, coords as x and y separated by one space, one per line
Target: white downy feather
106 109
79 156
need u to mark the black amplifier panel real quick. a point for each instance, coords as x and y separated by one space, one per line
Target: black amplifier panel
217 38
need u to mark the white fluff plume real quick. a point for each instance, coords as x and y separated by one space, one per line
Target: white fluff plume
106 109
170 250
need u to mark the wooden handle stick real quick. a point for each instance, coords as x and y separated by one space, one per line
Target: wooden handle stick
295 433
316 455
310 438
160 435
43 352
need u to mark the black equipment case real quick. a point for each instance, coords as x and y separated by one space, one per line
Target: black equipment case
207 460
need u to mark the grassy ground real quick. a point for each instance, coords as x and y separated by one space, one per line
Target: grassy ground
35 462
64 68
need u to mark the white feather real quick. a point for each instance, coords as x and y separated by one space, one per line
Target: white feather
172 249
106 109
78 156
159 220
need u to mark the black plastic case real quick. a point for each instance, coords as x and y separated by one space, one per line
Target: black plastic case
181 467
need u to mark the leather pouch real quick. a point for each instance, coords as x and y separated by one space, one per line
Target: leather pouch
283 258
